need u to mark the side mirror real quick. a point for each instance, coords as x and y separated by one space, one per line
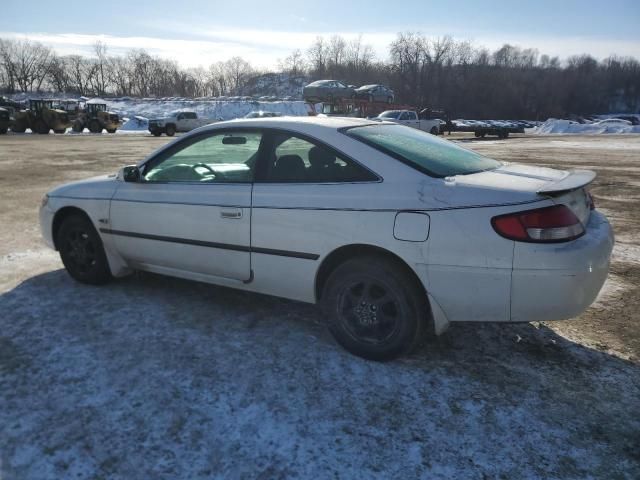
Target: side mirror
131 173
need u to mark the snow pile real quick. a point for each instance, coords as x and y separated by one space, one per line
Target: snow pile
128 107
570 127
134 124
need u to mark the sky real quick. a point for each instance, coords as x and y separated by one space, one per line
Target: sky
200 32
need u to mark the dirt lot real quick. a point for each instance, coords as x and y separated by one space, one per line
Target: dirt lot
151 377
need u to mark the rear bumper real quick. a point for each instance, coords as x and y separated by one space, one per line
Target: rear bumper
559 281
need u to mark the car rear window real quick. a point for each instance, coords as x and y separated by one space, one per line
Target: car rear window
423 151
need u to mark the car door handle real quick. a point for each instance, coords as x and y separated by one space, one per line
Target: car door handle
236 213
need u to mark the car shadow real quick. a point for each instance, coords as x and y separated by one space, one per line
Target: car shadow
151 376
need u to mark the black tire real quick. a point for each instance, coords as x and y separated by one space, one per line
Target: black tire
18 128
111 130
170 130
41 127
59 130
374 308
95 127
3 131
477 134
156 133
77 127
434 131
81 251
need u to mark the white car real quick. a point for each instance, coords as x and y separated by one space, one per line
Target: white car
410 118
394 231
179 121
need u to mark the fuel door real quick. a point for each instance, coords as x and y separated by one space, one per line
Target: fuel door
411 226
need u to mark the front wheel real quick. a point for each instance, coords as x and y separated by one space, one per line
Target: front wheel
434 131
375 309
111 130
81 251
170 131
3 131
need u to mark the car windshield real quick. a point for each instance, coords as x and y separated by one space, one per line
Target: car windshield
422 151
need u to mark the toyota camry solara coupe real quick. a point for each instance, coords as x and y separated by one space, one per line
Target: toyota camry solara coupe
393 231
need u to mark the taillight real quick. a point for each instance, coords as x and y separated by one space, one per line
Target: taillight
550 224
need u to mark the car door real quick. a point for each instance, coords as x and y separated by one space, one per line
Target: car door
299 213
410 119
190 121
378 94
191 210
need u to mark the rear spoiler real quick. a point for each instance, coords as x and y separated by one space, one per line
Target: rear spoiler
572 181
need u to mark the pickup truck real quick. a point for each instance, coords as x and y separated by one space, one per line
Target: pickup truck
410 119
181 121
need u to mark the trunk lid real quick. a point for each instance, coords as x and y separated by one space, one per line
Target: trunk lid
516 182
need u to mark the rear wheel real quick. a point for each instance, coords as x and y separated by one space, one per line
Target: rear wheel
77 127
3 131
111 130
95 127
375 310
434 131
59 130
81 251
171 130
41 127
156 133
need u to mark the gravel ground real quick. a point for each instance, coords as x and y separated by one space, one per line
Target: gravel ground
154 377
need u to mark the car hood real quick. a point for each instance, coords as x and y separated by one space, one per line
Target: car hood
99 188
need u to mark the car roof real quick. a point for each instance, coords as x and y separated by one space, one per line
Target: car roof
293 123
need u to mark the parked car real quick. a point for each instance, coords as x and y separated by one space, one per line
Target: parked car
391 230
327 91
614 121
180 121
375 93
410 118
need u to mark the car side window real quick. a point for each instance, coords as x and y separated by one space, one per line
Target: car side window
297 160
227 157
404 116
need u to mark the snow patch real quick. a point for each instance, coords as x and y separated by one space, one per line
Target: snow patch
555 126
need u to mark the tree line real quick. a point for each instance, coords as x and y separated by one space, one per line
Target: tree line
457 76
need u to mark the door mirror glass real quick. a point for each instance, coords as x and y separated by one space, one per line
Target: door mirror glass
131 173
